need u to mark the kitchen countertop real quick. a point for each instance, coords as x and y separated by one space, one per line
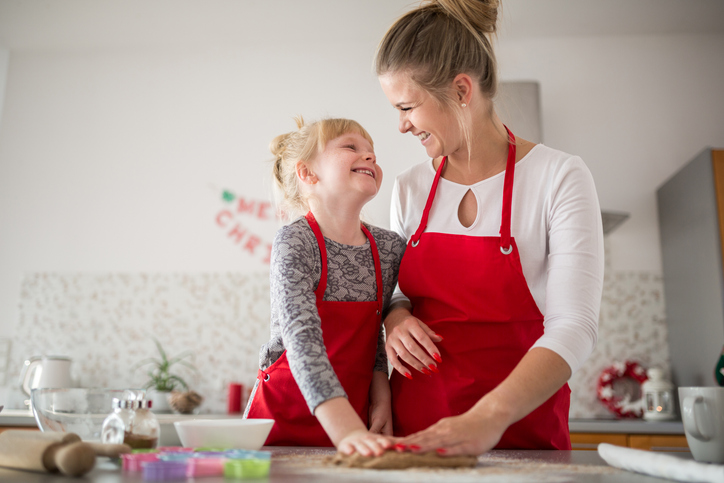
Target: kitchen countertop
307 465
23 417
629 426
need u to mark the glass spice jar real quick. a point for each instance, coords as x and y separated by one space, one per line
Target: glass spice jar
144 430
114 426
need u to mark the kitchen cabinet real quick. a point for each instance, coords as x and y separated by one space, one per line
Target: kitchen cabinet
650 442
691 220
25 428
633 433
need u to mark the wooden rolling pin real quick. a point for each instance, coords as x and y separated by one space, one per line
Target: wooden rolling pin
52 452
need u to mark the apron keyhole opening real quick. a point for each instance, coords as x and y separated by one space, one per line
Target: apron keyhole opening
468 209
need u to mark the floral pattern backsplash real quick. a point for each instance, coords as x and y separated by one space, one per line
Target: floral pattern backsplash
106 323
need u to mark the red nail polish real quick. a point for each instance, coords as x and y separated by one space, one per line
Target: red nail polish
441 451
426 371
441 337
433 368
414 447
400 447
408 375
437 357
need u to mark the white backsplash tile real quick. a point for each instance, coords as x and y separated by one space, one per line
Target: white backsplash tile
105 323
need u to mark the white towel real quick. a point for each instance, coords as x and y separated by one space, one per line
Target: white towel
661 465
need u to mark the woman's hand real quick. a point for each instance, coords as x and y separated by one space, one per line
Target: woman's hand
411 341
470 433
380 412
364 442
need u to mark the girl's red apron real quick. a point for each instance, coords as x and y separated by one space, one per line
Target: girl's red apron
471 290
350 331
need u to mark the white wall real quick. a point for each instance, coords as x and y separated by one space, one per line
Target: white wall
115 158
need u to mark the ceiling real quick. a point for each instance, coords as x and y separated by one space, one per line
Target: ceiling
103 24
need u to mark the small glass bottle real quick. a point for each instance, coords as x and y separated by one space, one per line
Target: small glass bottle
114 426
144 430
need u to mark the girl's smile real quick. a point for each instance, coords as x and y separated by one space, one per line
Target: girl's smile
347 166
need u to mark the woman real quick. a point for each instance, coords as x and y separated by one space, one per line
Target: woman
502 275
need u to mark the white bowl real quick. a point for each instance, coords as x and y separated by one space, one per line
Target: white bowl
224 433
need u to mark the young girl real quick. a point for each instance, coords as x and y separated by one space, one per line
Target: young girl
323 374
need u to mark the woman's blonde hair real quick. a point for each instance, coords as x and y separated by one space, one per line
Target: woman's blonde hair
304 144
439 40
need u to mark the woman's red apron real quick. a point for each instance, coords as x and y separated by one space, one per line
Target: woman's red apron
350 331
471 290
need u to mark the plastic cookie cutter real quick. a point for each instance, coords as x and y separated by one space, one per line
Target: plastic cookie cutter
164 470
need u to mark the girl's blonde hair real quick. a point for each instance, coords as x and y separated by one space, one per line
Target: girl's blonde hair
304 144
439 40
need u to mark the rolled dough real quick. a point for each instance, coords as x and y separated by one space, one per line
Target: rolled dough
393 460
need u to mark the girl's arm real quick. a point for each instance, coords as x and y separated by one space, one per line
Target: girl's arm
347 431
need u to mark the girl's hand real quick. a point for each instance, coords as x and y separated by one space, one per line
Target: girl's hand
364 442
411 341
467 434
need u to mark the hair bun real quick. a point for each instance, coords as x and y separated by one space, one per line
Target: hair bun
481 15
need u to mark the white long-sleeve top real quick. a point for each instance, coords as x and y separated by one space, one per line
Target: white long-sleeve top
556 223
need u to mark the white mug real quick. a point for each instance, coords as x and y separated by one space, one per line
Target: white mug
702 410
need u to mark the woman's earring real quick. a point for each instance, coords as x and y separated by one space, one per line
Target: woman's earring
463 105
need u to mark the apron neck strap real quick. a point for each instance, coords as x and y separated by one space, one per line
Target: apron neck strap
322 285
423 222
505 244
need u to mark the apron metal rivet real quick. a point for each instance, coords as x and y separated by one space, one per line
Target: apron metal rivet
415 243
266 377
506 251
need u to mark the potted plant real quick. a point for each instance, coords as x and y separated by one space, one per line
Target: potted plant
162 382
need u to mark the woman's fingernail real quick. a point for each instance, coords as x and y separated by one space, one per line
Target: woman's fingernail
414 447
408 375
437 357
433 368
426 371
400 447
441 451
441 337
